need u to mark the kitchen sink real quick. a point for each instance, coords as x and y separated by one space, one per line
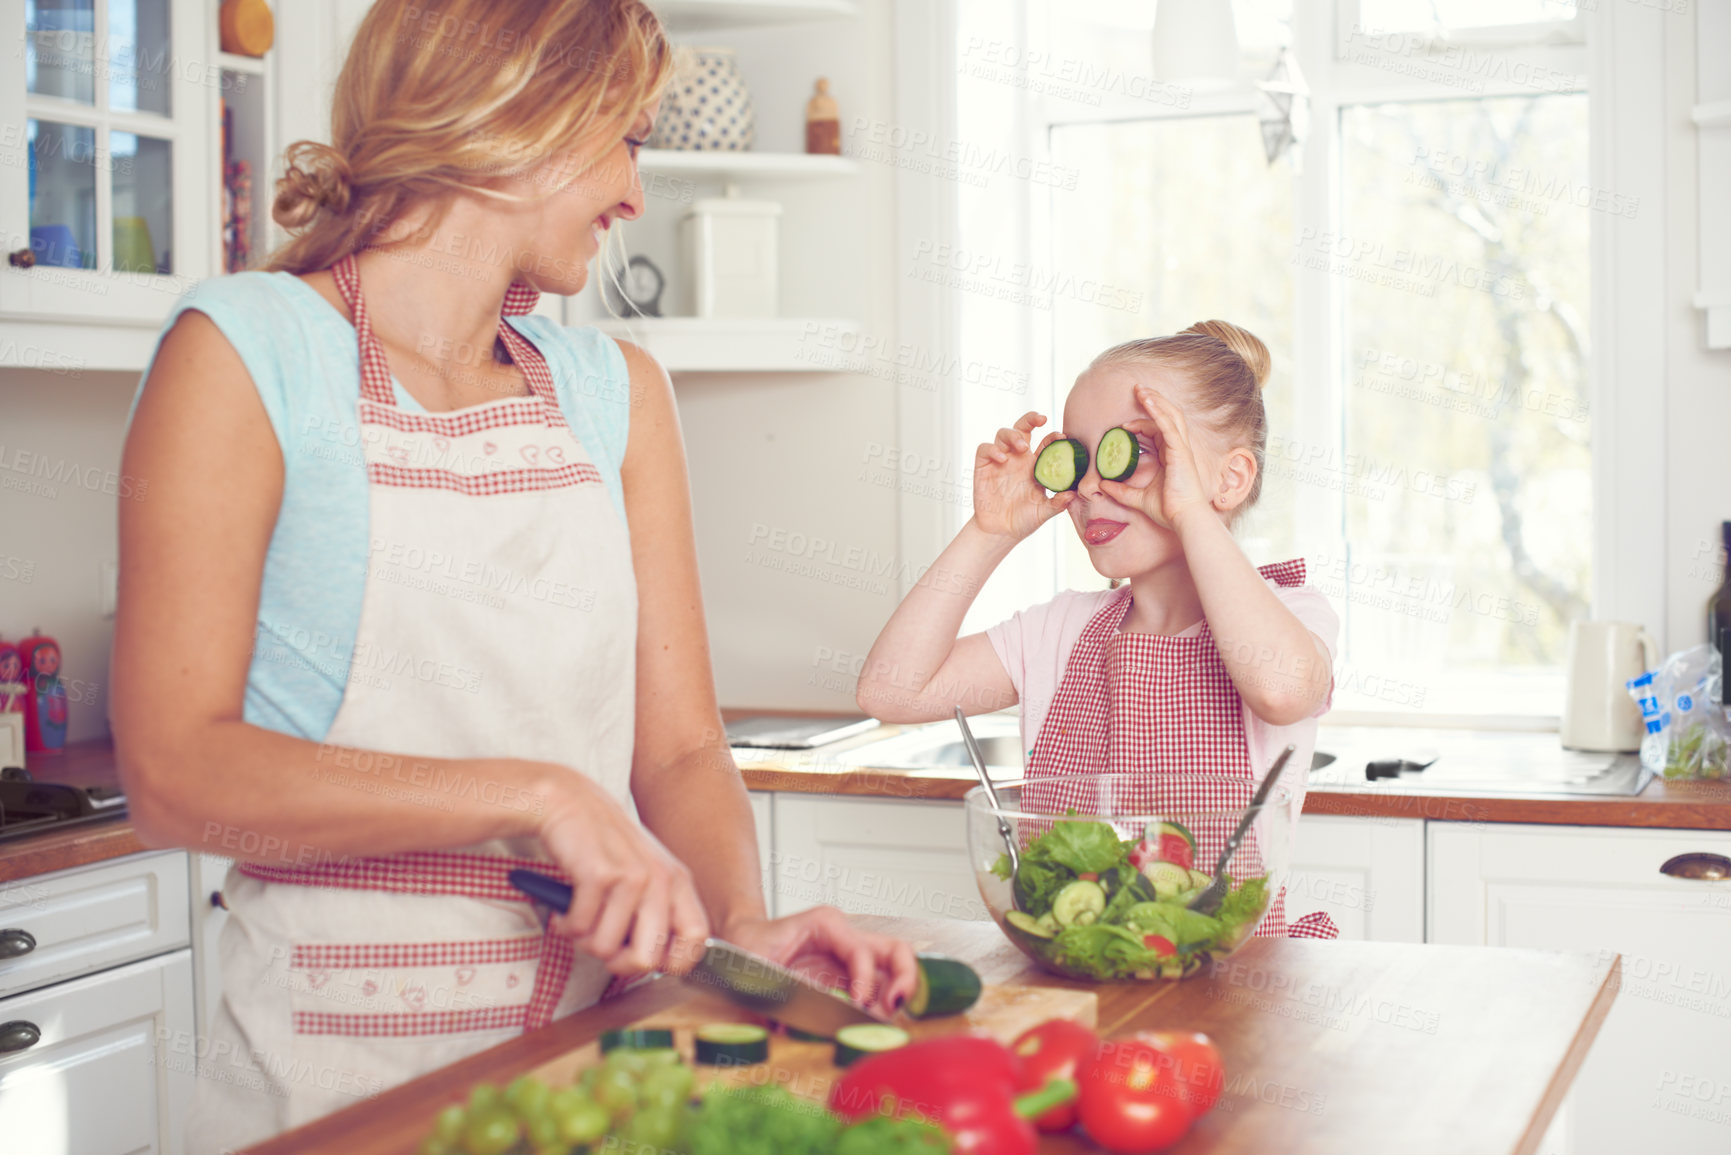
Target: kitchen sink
940 746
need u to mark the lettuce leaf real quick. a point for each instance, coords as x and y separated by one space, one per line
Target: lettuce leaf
1082 846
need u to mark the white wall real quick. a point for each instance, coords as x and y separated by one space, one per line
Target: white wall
1697 382
60 437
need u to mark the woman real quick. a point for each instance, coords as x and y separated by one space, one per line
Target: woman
402 615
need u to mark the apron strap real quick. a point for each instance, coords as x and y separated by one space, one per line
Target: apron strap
376 370
479 876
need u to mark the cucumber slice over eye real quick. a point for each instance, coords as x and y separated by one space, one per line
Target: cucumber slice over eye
1118 454
1061 464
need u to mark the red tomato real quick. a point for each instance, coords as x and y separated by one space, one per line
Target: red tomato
1160 945
1130 1101
1051 1051
1088 876
1143 852
1194 1061
1175 850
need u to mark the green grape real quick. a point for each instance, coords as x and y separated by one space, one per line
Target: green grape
527 1096
490 1132
581 1120
448 1126
620 1059
666 1086
660 1057
616 1090
433 1145
543 1131
483 1097
654 1128
586 1081
564 1098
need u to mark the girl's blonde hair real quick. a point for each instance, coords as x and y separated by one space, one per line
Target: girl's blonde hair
1226 366
433 102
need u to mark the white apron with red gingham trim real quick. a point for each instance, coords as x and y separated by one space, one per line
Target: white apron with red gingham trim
1163 707
498 620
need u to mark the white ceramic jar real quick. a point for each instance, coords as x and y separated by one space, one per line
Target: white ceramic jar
731 257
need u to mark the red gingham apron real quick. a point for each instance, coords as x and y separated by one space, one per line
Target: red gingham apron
1164 707
498 620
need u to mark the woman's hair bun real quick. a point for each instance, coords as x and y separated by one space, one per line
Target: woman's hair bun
1243 342
316 177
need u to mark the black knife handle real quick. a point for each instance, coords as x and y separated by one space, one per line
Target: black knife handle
541 888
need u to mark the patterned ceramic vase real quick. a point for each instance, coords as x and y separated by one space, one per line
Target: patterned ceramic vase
706 105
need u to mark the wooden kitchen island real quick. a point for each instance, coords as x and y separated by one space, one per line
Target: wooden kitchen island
1331 1048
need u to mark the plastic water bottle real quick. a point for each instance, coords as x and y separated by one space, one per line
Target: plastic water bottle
1654 717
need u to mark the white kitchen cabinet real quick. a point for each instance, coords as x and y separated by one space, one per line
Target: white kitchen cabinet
112 1070
873 856
106 174
1365 873
72 922
1658 1077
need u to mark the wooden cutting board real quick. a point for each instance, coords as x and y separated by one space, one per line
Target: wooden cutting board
808 1069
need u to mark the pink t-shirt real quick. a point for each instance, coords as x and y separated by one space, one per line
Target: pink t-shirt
1034 646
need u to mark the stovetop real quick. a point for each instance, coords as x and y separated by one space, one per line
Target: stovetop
29 807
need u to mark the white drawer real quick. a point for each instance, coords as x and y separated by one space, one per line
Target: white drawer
112 1071
92 917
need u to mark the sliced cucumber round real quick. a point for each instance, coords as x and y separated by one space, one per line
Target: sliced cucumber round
855 1042
1028 924
731 1045
1118 454
946 987
1168 879
1200 880
637 1039
1079 904
1061 464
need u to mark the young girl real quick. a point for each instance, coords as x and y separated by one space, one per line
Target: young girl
1198 663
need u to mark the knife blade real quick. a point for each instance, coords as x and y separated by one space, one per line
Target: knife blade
743 978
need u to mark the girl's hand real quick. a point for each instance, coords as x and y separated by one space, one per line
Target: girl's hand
876 970
633 905
1008 501
1176 490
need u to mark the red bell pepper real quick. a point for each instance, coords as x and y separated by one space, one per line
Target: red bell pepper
963 1083
1050 1051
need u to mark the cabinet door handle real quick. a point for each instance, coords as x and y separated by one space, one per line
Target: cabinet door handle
1708 867
15 943
18 1035
21 259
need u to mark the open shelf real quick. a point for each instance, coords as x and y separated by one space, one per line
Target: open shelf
728 165
717 345
682 16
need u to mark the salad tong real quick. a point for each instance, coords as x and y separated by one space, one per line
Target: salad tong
1209 900
1004 831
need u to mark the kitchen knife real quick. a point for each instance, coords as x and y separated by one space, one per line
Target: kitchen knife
741 977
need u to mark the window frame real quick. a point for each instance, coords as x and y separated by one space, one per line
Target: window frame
1617 54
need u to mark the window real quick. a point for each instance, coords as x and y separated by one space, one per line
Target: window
1419 269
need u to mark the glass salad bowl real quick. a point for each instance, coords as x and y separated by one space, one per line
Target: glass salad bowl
1107 866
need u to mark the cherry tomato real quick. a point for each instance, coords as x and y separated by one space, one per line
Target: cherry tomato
1130 1100
1088 876
1160 945
1051 1051
1194 1061
1175 850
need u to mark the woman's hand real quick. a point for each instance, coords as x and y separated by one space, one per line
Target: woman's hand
876 970
633 904
1008 502
1176 490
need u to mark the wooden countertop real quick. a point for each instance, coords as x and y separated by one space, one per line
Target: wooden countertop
1331 1048
1662 805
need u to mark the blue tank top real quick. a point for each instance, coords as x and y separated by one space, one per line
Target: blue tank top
305 363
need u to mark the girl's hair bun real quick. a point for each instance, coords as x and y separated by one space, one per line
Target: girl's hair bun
316 177
1243 342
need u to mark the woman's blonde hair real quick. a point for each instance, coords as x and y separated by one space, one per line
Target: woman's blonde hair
435 101
1226 366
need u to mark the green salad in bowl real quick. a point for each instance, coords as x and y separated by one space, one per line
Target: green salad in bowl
1107 896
